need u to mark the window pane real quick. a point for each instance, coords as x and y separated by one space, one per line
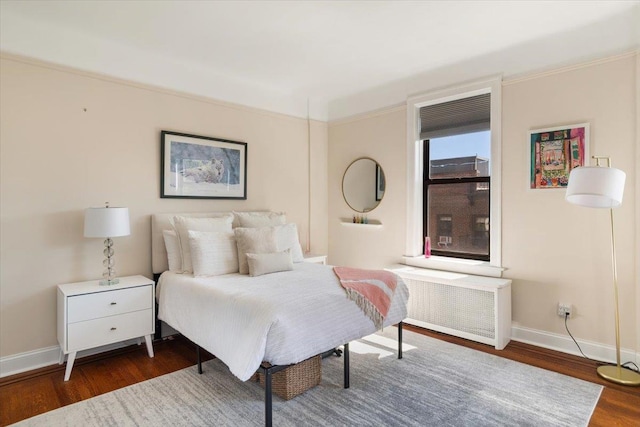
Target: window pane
459 156
459 217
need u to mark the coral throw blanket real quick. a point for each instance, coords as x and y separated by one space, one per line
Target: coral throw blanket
371 290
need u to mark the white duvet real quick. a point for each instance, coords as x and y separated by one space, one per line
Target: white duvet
281 318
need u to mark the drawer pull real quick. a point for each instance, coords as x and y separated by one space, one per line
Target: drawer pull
114 303
114 328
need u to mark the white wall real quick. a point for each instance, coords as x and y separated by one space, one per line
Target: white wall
70 140
552 250
382 138
556 251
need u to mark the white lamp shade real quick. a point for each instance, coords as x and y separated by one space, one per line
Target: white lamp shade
596 187
106 222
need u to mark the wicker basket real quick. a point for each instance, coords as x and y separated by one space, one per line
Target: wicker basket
296 379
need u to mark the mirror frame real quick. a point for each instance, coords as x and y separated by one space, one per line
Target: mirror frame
345 174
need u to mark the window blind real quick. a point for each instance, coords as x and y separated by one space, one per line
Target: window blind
456 117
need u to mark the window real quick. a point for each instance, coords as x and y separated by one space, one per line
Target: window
457 192
480 230
445 226
455 164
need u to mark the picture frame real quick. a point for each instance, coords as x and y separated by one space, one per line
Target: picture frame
554 152
380 183
202 167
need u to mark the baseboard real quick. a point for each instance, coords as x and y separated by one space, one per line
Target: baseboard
30 360
565 344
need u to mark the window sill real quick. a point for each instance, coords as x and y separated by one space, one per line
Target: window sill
458 265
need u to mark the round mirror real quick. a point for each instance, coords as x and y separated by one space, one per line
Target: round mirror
363 185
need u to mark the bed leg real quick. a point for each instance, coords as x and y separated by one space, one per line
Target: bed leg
346 365
199 359
267 398
400 340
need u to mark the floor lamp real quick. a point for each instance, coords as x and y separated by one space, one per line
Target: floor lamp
602 187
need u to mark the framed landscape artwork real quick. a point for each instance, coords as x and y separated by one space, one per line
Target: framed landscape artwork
554 152
201 167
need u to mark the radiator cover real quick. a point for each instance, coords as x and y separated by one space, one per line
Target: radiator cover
472 307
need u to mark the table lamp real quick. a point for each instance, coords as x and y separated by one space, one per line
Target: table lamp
107 222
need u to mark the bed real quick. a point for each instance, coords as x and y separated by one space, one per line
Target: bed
266 322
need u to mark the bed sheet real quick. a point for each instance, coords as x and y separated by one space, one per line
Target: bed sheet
281 318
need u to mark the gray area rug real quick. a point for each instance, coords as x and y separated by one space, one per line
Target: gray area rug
435 384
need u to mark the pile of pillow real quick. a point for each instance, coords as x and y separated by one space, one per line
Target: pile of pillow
253 243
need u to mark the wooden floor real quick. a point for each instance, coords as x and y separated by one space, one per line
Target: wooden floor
28 394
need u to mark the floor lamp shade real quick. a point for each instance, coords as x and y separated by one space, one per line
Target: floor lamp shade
596 187
106 222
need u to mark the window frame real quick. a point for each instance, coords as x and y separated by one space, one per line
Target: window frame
415 175
427 180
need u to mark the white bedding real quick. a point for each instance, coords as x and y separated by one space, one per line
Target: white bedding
281 318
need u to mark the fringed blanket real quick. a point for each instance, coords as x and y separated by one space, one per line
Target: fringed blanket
371 290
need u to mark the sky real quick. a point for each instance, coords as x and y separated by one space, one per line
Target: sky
468 144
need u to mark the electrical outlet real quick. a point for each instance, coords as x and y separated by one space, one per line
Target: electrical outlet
564 309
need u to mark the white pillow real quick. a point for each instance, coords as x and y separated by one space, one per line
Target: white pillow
260 264
213 253
287 238
256 241
259 219
183 224
174 257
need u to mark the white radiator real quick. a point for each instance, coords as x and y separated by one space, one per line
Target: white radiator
472 307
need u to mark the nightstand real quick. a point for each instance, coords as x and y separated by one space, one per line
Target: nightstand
91 315
316 259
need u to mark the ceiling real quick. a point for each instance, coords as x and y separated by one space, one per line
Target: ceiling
329 59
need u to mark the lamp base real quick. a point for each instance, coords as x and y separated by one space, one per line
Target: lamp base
109 282
619 375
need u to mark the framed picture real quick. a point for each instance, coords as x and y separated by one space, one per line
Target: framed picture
201 167
380 184
554 152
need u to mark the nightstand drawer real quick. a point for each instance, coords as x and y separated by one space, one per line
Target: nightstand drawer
316 259
107 330
108 303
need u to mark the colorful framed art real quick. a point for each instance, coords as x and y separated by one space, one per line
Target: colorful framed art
554 152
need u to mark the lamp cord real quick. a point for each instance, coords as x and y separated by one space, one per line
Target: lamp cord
566 317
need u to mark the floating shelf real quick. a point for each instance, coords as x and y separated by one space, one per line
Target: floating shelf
373 223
